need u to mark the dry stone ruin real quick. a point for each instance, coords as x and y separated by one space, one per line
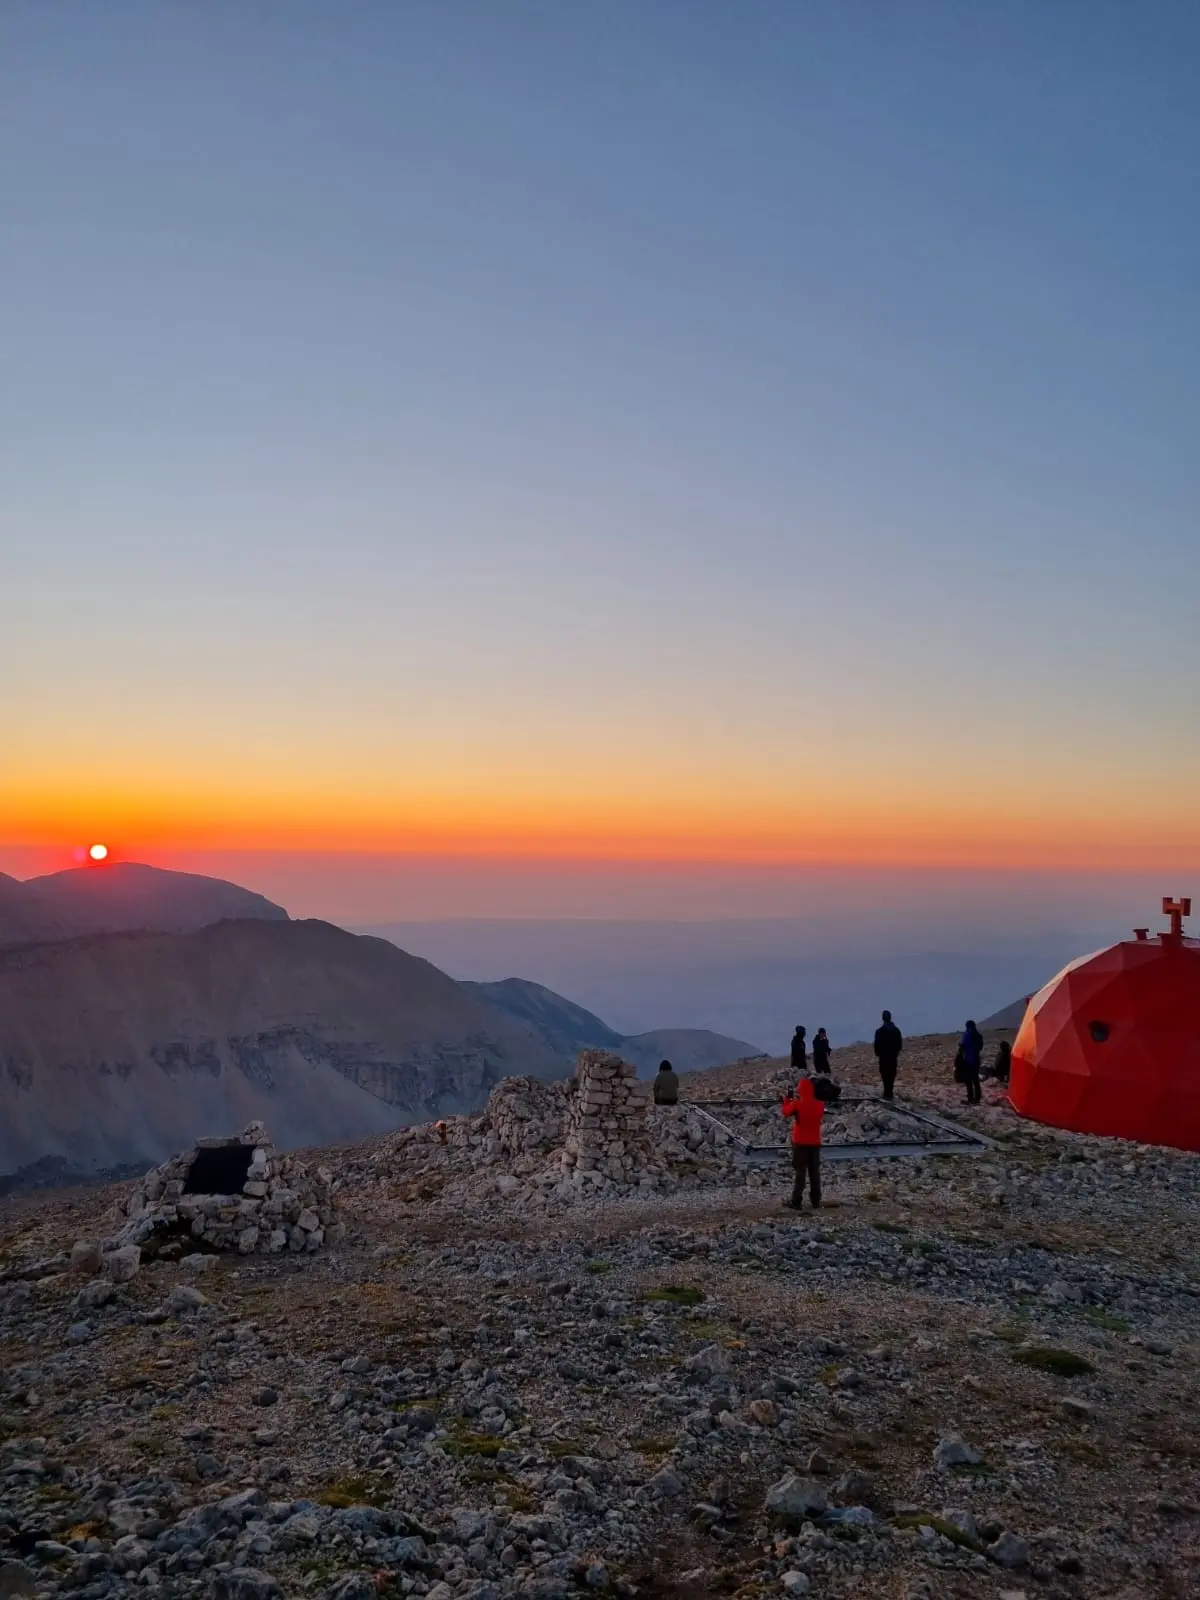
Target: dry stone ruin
232 1194
553 1143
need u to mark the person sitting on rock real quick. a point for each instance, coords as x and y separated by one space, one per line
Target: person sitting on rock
666 1085
806 1112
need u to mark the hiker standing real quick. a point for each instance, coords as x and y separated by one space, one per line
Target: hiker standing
799 1050
889 1042
666 1085
1002 1065
821 1049
806 1112
971 1055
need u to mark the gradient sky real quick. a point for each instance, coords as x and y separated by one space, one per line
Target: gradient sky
695 432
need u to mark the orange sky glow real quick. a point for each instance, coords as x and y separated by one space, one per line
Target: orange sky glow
902 830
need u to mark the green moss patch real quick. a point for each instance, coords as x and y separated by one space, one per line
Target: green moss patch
1048 1358
676 1294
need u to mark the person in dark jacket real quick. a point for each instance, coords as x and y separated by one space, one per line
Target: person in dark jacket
1002 1065
799 1050
806 1112
666 1085
821 1054
889 1042
970 1050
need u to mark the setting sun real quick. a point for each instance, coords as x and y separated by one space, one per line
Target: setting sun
98 852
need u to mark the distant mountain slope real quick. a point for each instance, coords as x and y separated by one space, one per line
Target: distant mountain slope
121 897
566 1027
121 1048
687 1049
1008 1017
23 917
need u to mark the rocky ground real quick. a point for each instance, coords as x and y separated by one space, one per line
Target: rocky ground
966 1376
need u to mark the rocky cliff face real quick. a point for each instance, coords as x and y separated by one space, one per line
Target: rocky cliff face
120 1049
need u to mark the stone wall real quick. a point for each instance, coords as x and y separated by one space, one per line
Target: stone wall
526 1116
283 1204
607 1124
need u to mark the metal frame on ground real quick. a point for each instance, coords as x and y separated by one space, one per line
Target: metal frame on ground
958 1141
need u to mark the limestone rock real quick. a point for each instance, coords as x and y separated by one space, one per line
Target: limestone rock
954 1451
87 1256
794 1500
124 1264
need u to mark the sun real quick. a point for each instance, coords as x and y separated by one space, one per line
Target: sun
97 852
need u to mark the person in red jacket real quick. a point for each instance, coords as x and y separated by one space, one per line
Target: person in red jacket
806 1112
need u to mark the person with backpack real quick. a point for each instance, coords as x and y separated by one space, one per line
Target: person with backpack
799 1050
968 1062
805 1111
889 1042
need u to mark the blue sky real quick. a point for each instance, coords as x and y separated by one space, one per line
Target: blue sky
596 406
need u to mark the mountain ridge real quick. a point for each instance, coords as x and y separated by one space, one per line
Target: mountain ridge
121 897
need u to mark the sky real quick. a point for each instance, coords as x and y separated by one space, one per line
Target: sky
537 444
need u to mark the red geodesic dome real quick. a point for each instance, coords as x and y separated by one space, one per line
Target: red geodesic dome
1112 1045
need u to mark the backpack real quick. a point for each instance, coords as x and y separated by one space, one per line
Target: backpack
960 1066
826 1090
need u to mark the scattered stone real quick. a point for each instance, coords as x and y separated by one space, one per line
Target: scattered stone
665 1484
708 1362
1077 1410
16 1581
954 1451
964 1521
794 1500
246 1583
183 1298
87 1256
1010 1551
854 1486
123 1264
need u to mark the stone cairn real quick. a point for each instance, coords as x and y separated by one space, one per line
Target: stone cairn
260 1203
607 1126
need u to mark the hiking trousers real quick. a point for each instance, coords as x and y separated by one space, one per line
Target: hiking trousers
974 1088
806 1164
887 1072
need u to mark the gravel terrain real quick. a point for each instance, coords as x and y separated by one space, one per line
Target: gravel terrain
965 1376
